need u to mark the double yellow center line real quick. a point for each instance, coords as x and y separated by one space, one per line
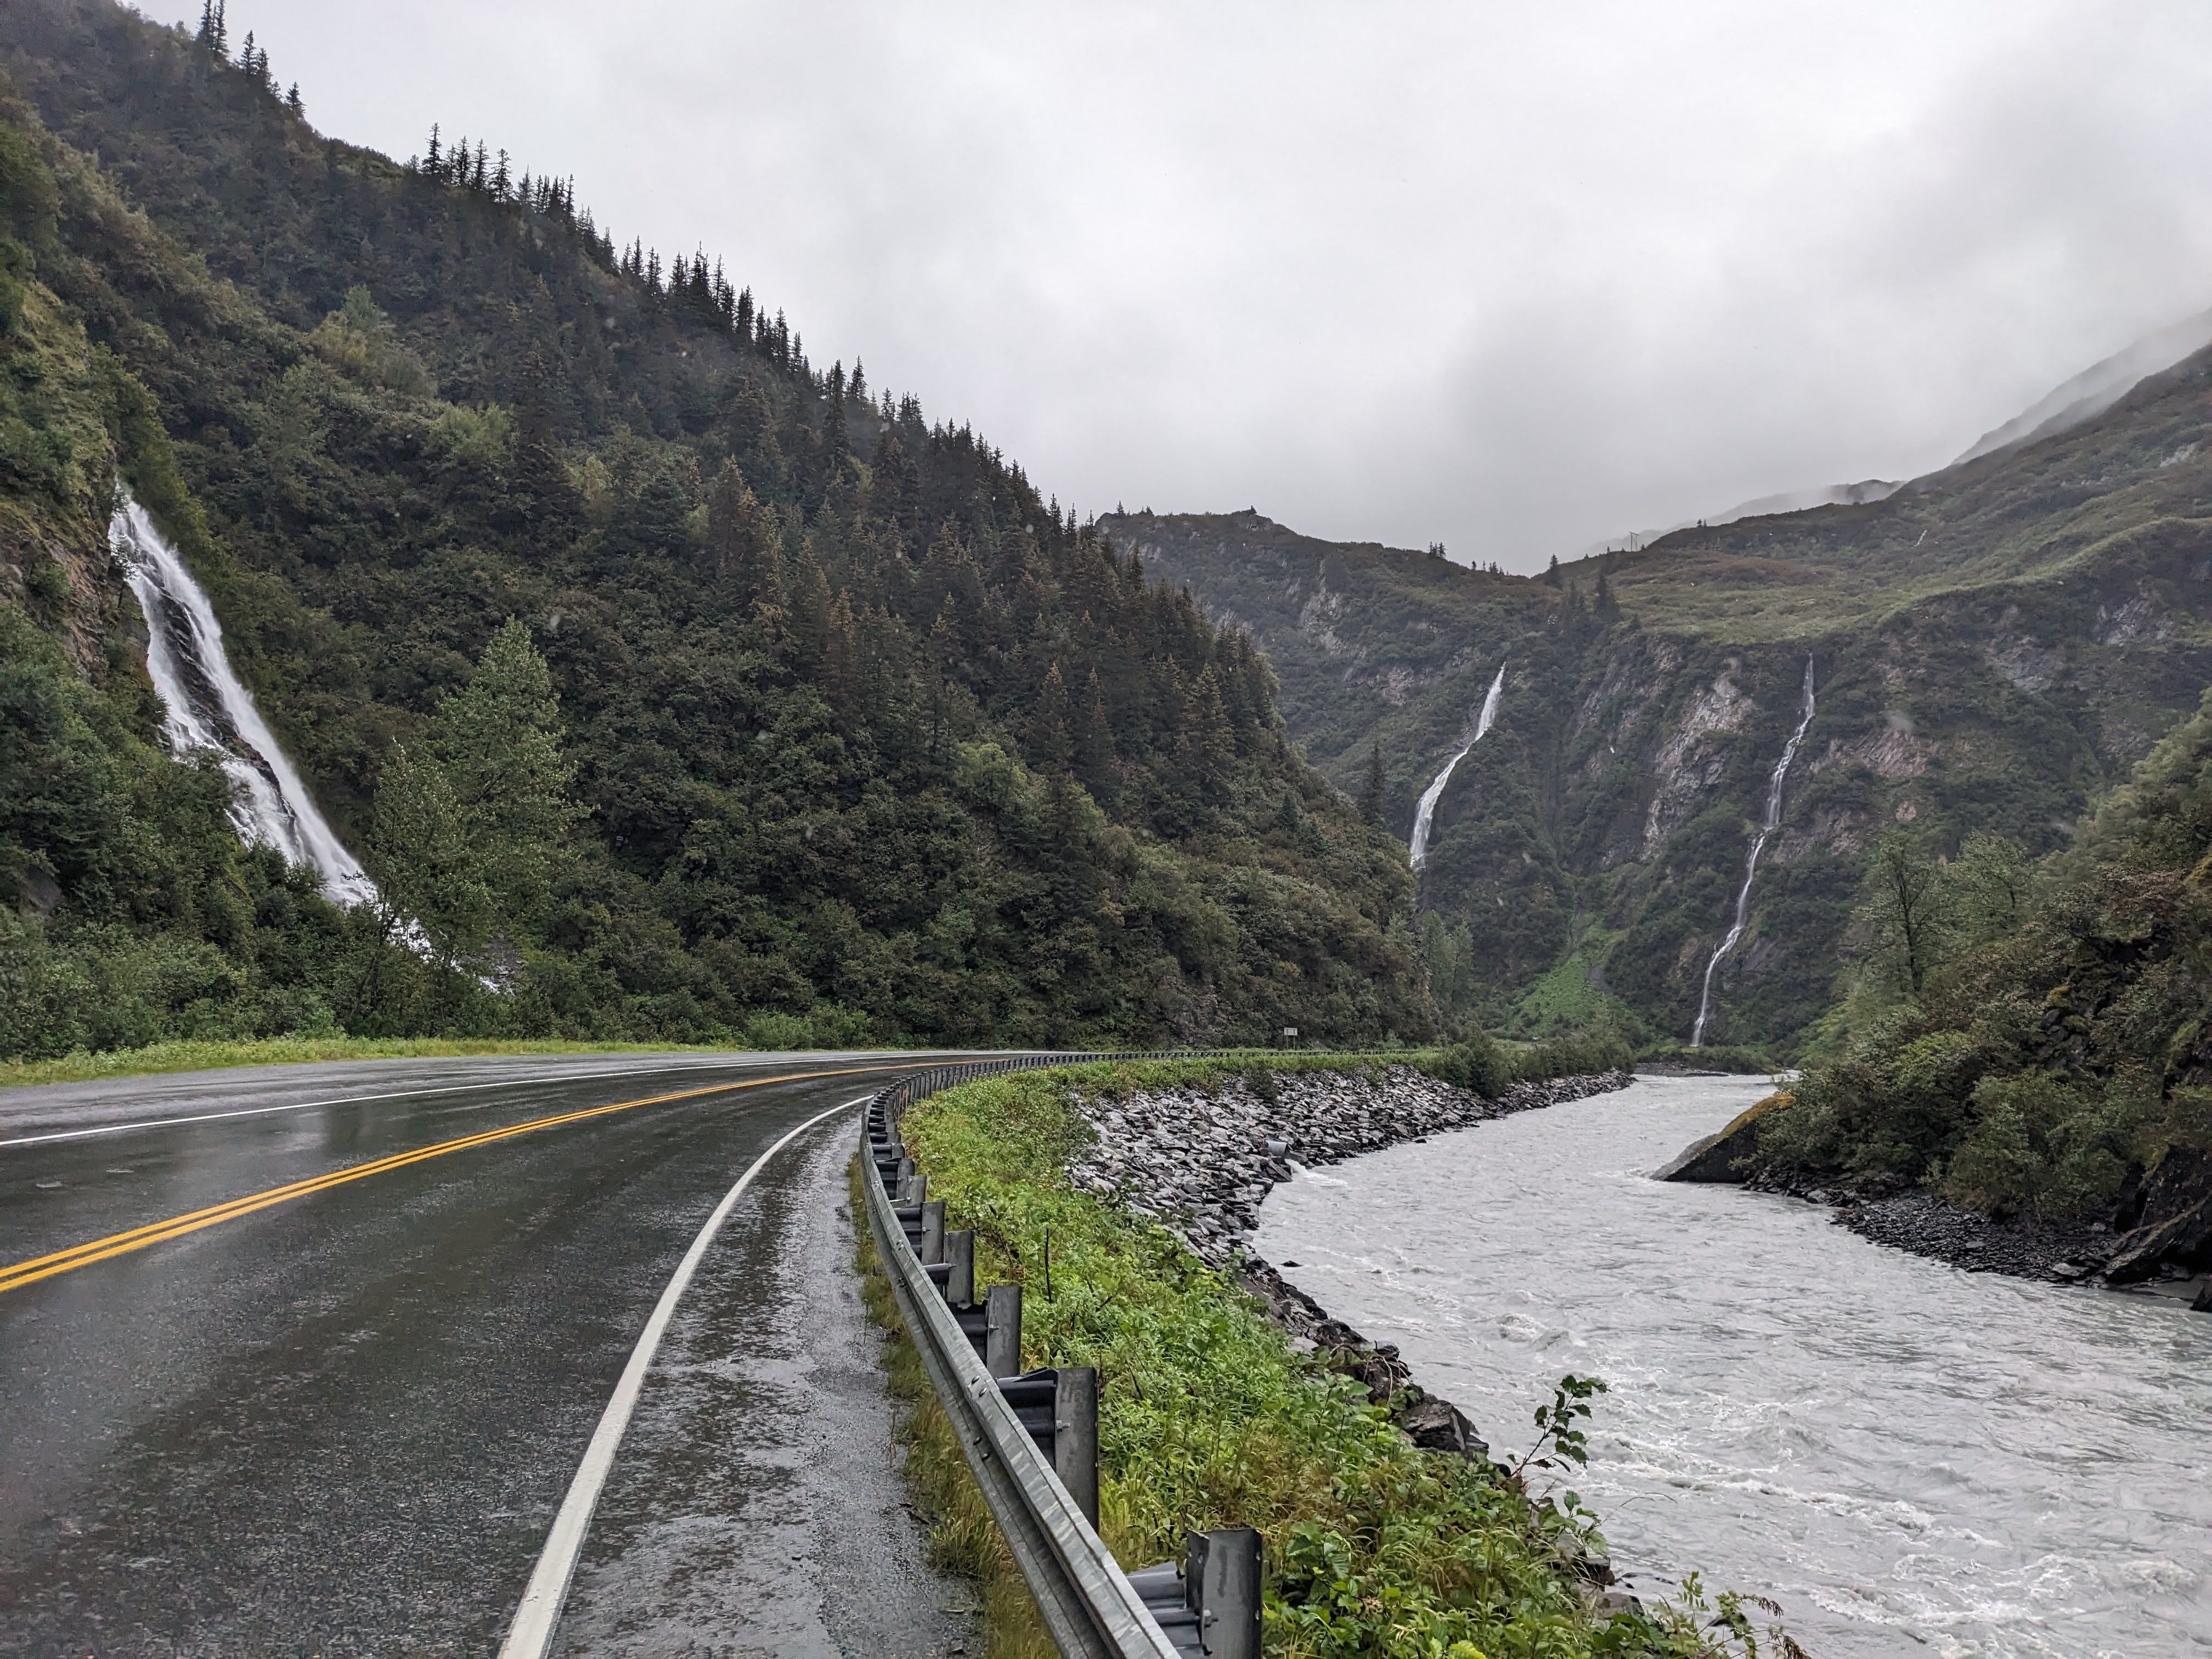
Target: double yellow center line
100 1250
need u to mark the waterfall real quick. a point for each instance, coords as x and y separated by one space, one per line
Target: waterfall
1425 813
1750 864
206 706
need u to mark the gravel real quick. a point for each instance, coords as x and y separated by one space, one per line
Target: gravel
1931 1226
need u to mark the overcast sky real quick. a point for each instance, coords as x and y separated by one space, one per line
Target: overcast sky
1516 278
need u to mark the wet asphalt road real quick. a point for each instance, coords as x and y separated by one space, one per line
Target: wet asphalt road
340 1424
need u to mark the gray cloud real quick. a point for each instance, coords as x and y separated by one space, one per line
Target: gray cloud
1512 278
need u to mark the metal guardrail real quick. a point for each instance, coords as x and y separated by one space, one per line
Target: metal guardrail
1031 1439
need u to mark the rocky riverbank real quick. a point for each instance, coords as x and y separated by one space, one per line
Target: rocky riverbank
1931 1226
2168 1227
1202 1161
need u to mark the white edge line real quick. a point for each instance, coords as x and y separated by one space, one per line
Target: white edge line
535 1619
358 1100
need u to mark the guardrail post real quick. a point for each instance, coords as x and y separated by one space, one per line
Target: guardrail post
1224 1579
905 1174
1075 1437
933 1232
960 1251
1002 1317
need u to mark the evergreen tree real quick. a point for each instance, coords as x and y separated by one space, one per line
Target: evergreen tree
497 741
1093 737
1052 746
430 874
837 446
1206 749
740 534
1552 573
1370 792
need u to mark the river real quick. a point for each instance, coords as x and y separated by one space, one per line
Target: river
1909 1457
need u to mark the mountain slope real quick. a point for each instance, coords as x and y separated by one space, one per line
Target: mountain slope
2097 387
868 738
1992 646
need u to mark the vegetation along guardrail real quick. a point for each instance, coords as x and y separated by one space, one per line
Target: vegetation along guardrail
1031 1438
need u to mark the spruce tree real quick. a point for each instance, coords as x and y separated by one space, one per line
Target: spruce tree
498 742
1207 750
836 443
1052 746
741 534
429 873
1093 737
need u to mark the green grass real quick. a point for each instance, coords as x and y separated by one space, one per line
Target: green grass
193 1056
1208 1417
1563 998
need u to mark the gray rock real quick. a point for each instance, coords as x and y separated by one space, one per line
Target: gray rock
1723 1157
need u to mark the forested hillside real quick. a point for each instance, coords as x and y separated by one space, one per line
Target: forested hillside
1992 646
673 686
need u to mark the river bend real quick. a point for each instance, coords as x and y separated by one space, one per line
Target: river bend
1910 1458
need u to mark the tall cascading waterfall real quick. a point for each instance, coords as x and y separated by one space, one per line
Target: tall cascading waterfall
1750 864
208 707
1425 814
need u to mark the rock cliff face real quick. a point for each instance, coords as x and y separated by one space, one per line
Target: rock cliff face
1992 646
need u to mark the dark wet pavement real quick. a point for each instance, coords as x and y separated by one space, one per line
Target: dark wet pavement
340 1424
760 1458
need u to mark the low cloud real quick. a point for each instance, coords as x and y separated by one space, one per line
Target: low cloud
1512 278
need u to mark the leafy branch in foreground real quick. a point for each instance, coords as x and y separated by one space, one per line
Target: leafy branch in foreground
1559 1442
1720 1628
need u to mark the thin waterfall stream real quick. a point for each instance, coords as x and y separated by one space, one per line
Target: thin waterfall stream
1425 814
1751 865
207 709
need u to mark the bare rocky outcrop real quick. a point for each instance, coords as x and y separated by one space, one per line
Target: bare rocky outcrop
1720 1159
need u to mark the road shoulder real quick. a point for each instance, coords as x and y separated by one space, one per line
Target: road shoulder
756 1507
